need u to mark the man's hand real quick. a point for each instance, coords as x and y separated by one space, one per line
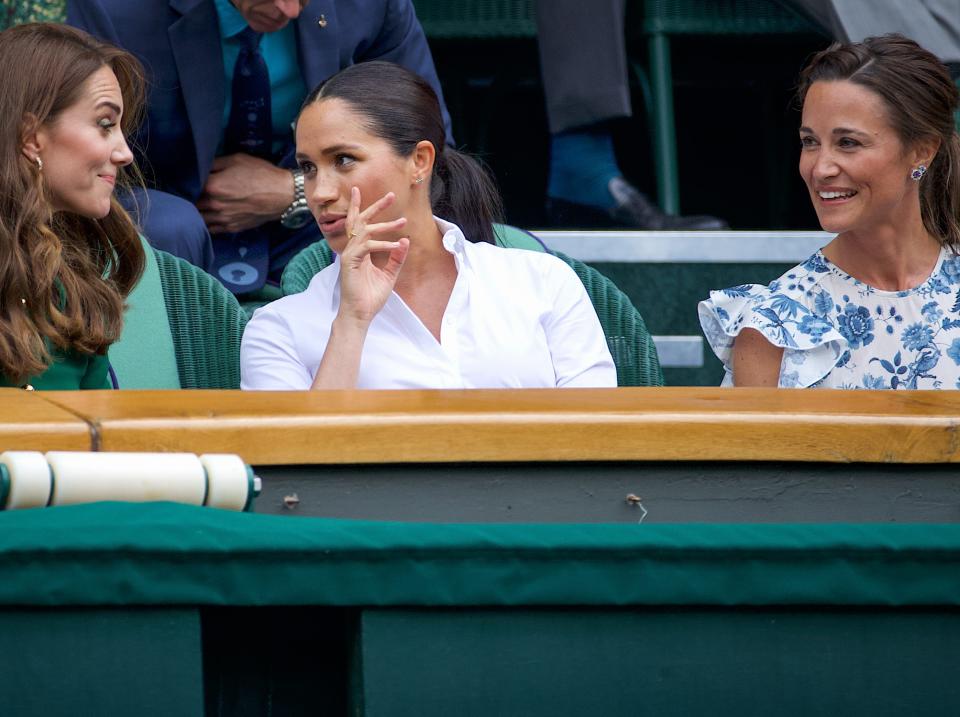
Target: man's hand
243 192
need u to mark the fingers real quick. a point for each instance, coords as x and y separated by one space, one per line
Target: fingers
382 203
226 161
362 244
373 246
382 227
356 220
397 256
222 162
352 212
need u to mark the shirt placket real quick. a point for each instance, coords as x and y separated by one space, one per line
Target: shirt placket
453 317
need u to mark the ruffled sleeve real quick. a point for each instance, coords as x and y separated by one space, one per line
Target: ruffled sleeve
794 313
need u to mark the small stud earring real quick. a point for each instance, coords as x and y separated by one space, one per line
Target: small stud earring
917 174
418 180
39 163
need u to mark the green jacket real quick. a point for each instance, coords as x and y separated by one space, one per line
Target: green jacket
69 371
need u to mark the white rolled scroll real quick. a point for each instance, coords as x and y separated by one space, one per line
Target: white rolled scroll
30 479
134 477
228 483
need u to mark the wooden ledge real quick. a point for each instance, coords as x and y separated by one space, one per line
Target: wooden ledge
685 424
28 423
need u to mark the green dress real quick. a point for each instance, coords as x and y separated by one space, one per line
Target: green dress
69 371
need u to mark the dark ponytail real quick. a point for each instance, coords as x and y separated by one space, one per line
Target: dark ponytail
402 109
462 191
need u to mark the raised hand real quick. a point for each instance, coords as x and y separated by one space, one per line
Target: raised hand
243 192
369 266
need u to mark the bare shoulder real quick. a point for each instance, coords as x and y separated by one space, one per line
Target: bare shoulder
756 361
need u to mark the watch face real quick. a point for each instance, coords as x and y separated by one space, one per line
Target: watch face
297 218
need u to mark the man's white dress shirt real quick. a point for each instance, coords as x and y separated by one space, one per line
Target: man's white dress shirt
515 319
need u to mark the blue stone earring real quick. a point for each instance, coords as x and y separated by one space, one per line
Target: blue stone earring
917 174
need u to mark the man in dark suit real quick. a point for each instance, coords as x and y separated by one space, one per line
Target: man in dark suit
253 205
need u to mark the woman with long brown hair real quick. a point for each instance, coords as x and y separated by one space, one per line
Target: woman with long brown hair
69 254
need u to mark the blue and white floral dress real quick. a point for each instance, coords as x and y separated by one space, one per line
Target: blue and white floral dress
838 332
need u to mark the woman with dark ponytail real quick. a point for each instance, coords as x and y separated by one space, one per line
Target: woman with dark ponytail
878 306
419 295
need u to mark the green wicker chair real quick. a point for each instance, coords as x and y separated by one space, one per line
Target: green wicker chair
465 19
633 351
665 18
304 266
206 323
630 344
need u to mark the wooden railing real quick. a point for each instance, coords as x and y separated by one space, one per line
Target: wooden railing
343 427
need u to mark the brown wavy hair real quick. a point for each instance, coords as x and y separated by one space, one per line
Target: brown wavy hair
920 98
63 277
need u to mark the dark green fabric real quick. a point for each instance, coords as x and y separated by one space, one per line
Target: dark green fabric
68 372
660 662
108 663
474 19
729 17
164 553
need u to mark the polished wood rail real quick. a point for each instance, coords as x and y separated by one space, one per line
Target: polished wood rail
647 424
28 423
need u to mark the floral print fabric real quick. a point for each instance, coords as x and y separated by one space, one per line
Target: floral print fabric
838 332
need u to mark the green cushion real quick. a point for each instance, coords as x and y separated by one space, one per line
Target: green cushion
144 356
512 238
156 553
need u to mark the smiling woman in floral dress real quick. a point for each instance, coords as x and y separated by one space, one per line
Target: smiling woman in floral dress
879 306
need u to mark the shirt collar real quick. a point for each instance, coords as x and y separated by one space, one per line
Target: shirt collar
232 22
453 239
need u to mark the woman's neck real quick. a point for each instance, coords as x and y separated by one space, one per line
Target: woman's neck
891 257
426 251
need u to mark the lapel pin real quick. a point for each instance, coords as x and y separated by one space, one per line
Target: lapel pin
322 22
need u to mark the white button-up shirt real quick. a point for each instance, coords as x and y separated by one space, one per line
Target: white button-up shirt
515 319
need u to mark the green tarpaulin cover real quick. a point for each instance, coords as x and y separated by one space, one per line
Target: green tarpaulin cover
163 553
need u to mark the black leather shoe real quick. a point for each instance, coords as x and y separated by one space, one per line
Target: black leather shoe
632 210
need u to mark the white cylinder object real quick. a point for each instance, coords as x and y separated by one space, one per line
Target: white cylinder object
29 479
228 485
86 477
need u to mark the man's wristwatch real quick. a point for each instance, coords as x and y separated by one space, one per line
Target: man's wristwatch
297 214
